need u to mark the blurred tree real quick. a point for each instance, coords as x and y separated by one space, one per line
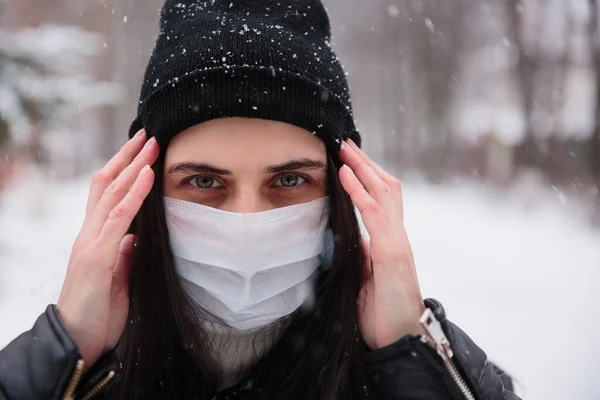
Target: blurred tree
45 83
594 160
558 74
486 107
488 88
437 52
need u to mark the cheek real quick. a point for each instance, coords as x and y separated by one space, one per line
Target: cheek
169 188
167 191
181 191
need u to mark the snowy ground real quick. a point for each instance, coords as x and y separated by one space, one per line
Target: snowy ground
521 281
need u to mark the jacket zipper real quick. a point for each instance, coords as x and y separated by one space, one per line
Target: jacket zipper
76 377
70 392
99 386
438 341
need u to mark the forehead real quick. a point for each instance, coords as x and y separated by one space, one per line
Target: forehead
244 141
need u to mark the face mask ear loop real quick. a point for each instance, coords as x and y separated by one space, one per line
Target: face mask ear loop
328 250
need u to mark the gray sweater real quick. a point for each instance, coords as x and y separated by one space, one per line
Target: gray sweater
237 352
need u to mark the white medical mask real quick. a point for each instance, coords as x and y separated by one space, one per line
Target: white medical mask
248 269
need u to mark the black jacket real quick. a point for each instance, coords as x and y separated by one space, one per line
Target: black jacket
42 364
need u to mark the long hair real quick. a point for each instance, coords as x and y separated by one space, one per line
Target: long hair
316 357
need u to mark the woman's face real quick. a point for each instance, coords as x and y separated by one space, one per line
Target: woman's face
245 165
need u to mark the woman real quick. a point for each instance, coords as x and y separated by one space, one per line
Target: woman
244 275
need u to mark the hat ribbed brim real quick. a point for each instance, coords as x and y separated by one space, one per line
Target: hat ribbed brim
245 91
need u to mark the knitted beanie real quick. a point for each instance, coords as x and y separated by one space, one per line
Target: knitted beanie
268 59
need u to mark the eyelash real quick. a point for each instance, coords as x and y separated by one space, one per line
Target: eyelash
188 181
306 179
291 188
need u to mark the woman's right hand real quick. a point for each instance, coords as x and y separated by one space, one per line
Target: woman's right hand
94 300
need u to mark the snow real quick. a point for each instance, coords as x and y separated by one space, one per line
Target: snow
520 280
393 11
429 24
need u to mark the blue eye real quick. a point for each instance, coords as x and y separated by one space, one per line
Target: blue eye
205 182
290 181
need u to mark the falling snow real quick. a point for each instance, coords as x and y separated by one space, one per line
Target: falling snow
429 25
393 10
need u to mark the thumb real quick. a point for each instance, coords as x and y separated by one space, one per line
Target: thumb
122 267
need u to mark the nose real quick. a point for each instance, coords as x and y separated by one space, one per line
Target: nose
245 201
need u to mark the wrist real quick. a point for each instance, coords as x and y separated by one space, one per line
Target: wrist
71 329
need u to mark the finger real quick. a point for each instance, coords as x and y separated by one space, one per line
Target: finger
386 177
392 182
120 217
122 267
371 212
390 201
118 189
112 169
369 179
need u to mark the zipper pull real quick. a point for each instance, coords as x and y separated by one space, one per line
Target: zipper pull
437 340
433 327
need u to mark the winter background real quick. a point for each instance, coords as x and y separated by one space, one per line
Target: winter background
487 110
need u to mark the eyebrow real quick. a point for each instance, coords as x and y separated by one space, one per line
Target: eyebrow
294 165
196 168
203 168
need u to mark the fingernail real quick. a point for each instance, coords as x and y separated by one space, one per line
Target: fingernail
139 133
149 142
348 147
145 169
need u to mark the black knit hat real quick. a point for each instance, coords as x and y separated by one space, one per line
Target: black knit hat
268 59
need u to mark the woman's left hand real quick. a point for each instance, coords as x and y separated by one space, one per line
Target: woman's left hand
390 302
